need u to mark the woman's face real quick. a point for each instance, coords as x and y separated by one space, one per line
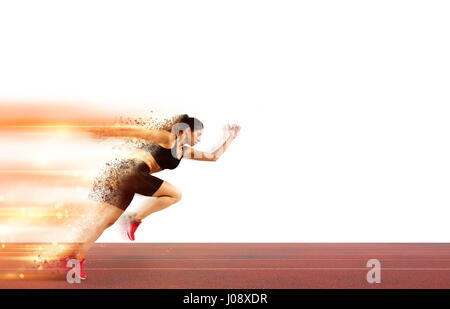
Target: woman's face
192 138
196 136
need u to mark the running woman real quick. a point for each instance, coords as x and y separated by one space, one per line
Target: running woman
116 186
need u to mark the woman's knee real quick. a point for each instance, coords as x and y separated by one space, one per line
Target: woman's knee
177 195
109 224
169 190
108 216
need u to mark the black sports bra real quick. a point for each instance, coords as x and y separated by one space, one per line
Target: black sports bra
167 157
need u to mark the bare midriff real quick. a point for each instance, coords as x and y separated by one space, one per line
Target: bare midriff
146 157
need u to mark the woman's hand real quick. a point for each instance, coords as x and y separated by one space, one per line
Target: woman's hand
233 130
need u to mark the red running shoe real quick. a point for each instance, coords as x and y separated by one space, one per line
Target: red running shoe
82 274
131 228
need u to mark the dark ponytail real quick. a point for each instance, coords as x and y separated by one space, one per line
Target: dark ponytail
185 122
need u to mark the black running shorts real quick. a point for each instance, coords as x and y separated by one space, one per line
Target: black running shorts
121 179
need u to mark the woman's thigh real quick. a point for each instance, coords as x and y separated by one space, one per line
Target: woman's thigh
167 189
108 214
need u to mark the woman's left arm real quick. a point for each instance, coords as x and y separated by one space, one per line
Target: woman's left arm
193 154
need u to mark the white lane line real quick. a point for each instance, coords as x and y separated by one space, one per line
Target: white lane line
125 258
243 268
261 268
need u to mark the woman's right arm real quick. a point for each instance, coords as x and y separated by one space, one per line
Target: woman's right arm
161 137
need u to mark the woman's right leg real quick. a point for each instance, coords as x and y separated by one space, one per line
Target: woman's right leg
105 216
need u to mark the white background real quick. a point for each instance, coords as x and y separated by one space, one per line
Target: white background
344 107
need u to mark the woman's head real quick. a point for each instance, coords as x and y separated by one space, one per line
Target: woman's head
191 126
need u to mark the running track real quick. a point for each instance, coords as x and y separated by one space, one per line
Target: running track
240 265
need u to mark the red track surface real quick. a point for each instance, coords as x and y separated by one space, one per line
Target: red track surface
241 265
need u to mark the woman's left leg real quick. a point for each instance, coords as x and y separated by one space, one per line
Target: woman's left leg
166 195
